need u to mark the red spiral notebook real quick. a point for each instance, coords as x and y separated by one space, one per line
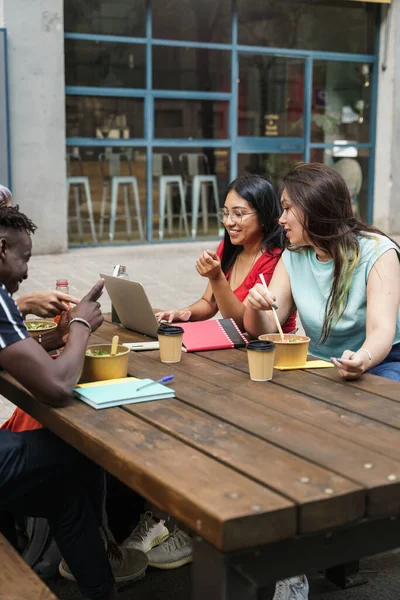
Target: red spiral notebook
214 334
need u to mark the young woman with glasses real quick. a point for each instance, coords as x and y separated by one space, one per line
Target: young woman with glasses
252 245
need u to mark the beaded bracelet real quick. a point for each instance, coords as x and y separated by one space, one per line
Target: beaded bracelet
367 352
80 320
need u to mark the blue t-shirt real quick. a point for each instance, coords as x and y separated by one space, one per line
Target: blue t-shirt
311 282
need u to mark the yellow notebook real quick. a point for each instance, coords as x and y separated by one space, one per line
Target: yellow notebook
310 364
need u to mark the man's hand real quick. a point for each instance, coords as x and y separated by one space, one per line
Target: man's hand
209 265
88 308
46 304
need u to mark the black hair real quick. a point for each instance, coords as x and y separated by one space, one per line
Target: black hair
12 218
260 193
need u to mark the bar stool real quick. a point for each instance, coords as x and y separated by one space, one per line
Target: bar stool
77 182
127 183
165 186
190 164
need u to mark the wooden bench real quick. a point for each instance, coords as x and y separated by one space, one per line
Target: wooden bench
17 580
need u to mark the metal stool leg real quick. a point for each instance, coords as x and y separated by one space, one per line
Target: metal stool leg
78 211
102 211
195 205
169 207
125 190
135 189
162 199
183 208
90 210
113 208
204 205
216 197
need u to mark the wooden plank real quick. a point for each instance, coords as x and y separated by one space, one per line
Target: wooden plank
379 386
225 508
354 426
192 382
378 416
325 499
17 580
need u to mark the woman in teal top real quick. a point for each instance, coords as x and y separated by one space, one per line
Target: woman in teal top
343 276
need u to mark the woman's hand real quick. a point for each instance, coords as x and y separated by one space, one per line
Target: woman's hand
259 299
351 365
209 265
173 315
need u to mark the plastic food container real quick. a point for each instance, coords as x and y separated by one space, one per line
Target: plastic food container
288 353
99 368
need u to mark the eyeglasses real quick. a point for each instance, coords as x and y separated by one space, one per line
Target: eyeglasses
235 215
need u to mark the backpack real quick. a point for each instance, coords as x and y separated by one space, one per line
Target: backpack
38 547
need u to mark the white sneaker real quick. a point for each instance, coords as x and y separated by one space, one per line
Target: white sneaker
176 551
290 589
147 533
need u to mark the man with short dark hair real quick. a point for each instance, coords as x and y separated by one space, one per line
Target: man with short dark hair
40 475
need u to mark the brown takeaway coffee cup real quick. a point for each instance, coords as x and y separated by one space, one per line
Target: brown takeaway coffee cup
261 355
170 340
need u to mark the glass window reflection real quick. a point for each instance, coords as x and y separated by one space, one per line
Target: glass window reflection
341 102
352 164
193 69
206 21
110 17
191 119
99 165
104 117
301 24
105 64
274 166
271 96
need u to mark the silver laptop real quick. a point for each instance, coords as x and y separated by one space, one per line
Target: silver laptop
132 305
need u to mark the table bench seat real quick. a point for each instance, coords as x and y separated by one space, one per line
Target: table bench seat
17 580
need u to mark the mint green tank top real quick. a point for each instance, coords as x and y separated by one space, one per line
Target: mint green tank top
311 282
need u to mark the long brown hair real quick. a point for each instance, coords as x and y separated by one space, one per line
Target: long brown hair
329 223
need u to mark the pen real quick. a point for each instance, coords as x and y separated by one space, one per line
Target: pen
165 379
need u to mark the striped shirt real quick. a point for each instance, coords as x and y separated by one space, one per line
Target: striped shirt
12 326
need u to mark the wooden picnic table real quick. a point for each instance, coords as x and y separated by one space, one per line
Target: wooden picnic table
272 478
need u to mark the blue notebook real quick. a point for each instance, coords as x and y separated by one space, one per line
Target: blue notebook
115 392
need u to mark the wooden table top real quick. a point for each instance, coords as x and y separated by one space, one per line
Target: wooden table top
243 463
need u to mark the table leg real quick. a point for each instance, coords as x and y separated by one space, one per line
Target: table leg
214 579
346 576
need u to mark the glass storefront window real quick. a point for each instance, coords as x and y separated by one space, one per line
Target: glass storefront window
191 119
104 117
99 165
341 102
186 163
274 166
110 17
193 69
105 64
305 25
271 96
206 21
352 163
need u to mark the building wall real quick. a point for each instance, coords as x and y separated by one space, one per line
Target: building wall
37 116
383 185
394 204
